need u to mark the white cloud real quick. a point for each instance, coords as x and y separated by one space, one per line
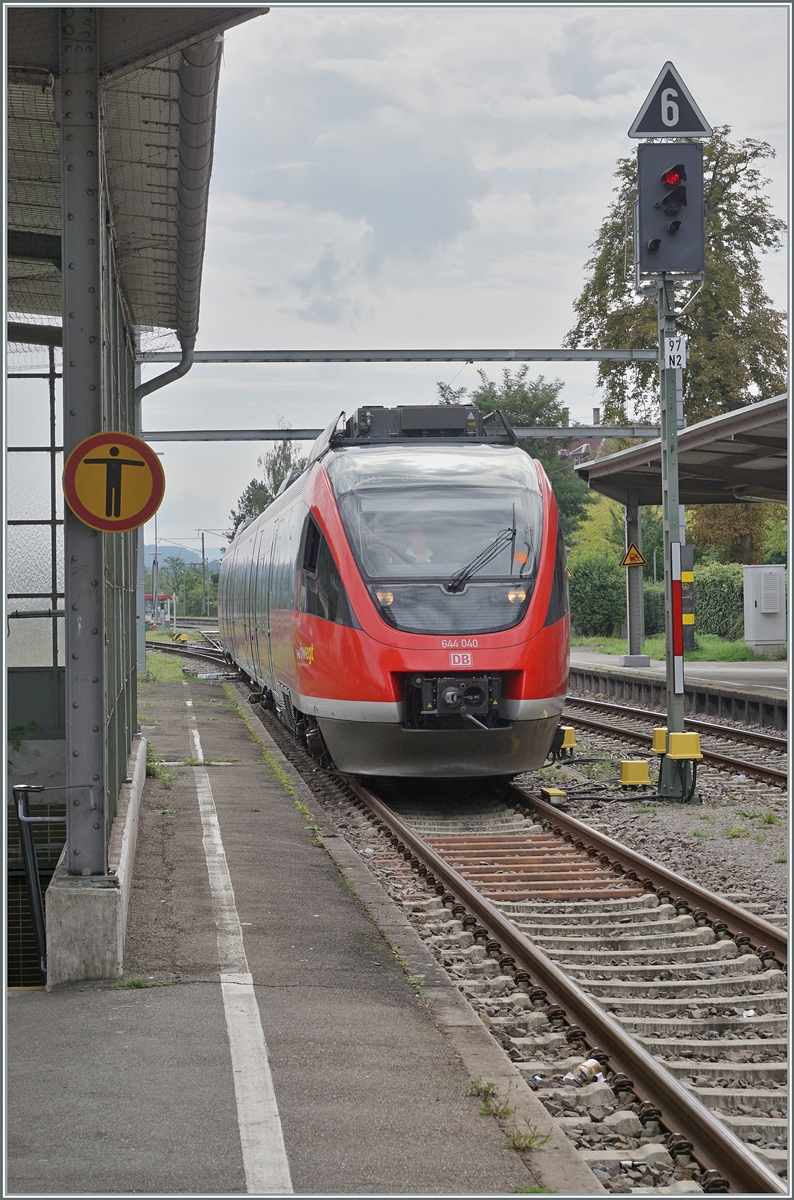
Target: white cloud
420 175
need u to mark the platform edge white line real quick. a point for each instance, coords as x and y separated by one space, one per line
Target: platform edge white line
261 1137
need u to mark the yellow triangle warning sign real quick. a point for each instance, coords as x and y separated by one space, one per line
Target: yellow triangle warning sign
633 558
570 572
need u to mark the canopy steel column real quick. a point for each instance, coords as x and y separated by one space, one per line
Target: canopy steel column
86 833
634 603
140 547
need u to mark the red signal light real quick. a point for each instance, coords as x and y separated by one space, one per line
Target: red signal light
674 175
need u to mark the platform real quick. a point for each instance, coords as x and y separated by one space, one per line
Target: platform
760 678
267 1039
755 692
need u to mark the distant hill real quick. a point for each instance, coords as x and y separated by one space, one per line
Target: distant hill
165 550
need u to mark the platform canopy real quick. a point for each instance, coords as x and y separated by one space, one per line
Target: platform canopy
737 457
158 119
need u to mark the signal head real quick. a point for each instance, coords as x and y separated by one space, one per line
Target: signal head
669 235
674 175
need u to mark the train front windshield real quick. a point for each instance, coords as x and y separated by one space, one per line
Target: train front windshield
447 540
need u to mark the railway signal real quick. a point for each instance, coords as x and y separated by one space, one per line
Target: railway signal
669 244
670 232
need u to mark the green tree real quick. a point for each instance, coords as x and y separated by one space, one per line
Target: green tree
732 533
737 344
776 535
527 402
276 466
172 575
252 502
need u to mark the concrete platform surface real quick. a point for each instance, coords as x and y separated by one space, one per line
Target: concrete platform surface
132 1089
755 677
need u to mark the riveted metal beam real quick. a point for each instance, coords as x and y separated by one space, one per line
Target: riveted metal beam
86 834
388 356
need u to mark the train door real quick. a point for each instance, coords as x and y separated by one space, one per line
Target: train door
250 600
253 595
271 603
259 614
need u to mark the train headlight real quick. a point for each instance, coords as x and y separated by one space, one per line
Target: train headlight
517 595
384 597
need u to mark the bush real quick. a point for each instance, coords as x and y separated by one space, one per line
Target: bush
598 595
653 603
719 600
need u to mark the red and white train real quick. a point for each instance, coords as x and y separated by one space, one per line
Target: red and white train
403 602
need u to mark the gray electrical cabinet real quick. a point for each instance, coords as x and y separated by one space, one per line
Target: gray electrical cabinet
765 608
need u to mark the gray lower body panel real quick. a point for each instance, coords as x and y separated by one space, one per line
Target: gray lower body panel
367 748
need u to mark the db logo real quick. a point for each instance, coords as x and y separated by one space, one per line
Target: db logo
460 660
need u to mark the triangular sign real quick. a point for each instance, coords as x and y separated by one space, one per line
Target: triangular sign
633 558
670 110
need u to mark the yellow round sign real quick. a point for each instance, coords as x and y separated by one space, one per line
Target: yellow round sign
113 482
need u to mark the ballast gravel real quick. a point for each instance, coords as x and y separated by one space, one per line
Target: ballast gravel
732 839
625 1153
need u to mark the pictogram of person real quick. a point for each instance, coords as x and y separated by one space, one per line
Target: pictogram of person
113 466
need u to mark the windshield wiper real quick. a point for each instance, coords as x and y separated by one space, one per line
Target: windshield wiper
459 580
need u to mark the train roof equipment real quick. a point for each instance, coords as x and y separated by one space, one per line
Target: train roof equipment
434 423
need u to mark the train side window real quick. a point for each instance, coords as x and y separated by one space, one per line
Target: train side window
558 600
312 547
322 591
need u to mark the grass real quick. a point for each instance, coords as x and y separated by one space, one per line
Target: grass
417 982
492 1105
769 818
275 766
139 983
736 831
402 961
156 768
709 648
524 1143
700 833
166 635
305 811
782 858
162 668
267 757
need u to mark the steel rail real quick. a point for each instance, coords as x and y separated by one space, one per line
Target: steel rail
714 1145
750 735
187 650
761 932
741 765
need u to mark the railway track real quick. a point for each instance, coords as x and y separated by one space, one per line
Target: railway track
592 950
571 945
752 735
190 650
766 772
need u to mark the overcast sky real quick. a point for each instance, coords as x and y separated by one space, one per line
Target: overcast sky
428 176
